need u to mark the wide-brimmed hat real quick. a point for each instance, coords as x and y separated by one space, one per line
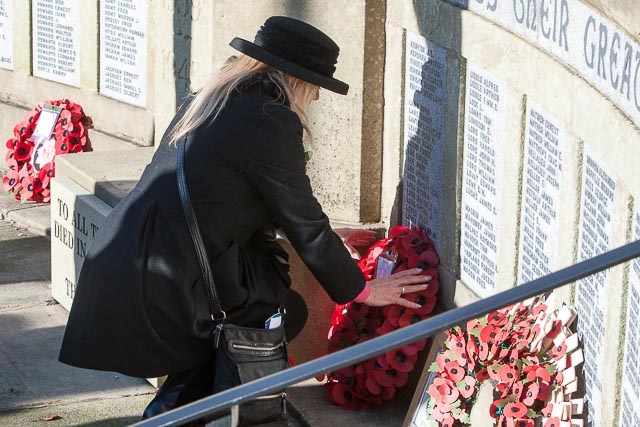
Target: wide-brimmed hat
296 48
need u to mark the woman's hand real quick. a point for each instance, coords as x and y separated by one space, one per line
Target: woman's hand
352 238
391 289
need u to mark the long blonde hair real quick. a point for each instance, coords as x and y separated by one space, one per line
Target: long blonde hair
212 98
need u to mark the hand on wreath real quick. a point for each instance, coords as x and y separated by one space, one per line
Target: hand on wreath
391 289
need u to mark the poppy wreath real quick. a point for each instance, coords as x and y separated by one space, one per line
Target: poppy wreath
373 381
527 353
29 182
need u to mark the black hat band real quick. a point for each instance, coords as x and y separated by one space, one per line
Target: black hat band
297 49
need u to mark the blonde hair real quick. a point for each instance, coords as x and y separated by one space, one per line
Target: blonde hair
211 99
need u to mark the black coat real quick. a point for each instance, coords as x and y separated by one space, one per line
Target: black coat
140 306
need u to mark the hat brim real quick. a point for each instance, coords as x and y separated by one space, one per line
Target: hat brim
262 55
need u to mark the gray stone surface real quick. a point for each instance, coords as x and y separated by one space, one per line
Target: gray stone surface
33 384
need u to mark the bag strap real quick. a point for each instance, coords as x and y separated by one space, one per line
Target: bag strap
217 313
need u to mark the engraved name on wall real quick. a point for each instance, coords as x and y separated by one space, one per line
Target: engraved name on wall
539 217
595 231
482 175
123 50
56 40
425 81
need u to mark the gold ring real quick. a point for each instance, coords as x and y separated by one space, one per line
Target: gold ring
402 294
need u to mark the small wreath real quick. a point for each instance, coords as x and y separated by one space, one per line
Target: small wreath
30 158
371 382
527 354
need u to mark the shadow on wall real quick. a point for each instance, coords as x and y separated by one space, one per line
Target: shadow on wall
182 18
429 191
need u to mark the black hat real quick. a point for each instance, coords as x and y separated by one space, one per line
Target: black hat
296 48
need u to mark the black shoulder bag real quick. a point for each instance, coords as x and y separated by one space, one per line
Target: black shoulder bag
241 354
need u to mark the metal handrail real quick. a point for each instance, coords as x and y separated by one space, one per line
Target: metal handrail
407 335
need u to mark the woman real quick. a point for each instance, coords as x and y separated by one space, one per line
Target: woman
141 307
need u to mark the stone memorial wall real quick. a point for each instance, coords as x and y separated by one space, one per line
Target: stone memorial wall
6 35
540 212
578 35
123 51
425 80
629 410
482 174
596 221
56 40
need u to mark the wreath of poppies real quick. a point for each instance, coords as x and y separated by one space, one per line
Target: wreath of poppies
526 353
371 382
31 162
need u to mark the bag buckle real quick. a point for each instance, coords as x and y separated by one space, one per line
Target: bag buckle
217 331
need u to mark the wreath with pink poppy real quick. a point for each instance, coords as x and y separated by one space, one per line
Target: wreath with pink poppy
376 380
30 164
529 355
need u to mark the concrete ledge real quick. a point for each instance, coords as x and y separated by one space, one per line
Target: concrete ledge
33 216
110 175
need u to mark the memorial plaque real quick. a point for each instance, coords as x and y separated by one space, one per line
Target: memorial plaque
482 176
539 217
6 35
425 81
596 219
123 50
76 217
56 40
629 409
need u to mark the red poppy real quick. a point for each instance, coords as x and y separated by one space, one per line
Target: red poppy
483 350
530 393
394 313
344 396
497 407
491 335
447 422
409 317
372 385
552 422
10 180
453 371
388 393
515 410
386 327
399 230
482 375
539 373
517 388
556 327
467 388
456 343
547 410
426 299
544 390
504 389
558 351
22 151
400 361
496 318
441 412
390 377
443 358
443 391
65 120
535 332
